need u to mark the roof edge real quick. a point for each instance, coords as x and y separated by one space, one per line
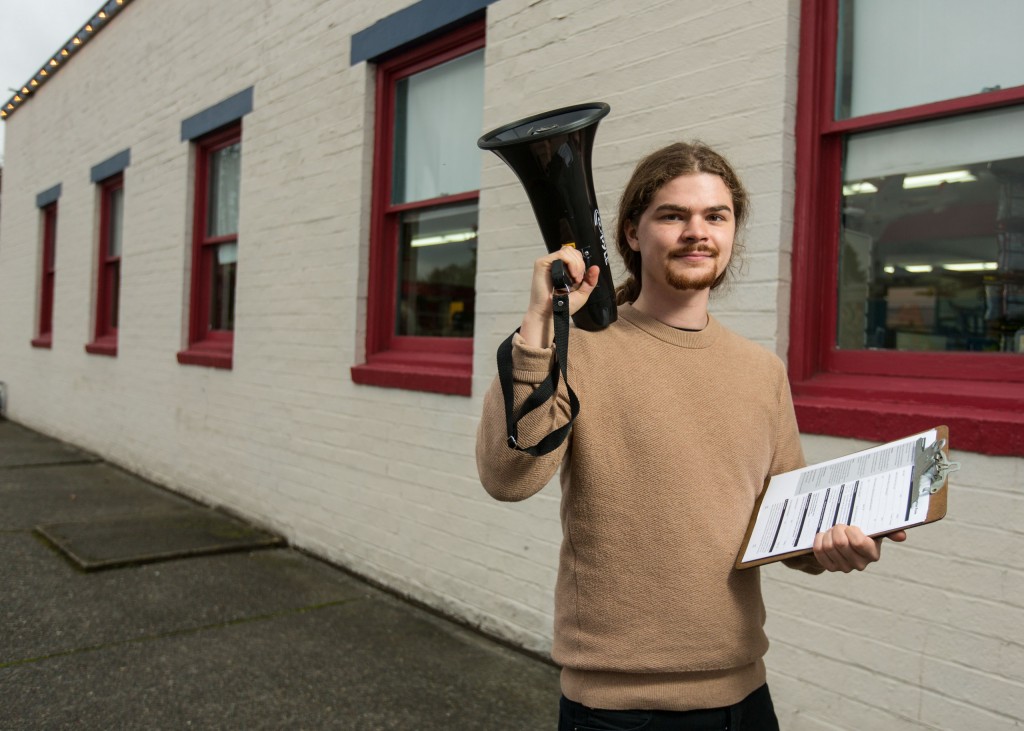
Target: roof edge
98 20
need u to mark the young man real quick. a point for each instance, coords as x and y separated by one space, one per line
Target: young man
680 423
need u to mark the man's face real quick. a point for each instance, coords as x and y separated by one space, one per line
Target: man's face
685 236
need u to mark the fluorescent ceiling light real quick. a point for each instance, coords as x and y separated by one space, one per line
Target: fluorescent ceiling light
452 238
889 270
858 188
972 266
933 179
918 268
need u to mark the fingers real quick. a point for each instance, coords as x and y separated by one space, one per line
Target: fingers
845 548
537 329
581 294
573 260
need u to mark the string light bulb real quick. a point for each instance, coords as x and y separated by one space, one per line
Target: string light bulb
84 34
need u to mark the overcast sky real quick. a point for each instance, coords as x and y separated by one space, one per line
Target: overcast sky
30 32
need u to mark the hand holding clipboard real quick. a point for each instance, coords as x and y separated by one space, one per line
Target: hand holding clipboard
884 489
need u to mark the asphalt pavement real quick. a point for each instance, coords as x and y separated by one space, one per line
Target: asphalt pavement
126 606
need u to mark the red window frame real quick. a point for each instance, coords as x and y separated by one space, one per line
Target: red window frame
207 347
44 333
440 365
108 273
865 394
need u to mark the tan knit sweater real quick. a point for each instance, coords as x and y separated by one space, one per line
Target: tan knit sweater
676 434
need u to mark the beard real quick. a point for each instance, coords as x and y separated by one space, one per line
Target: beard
691 279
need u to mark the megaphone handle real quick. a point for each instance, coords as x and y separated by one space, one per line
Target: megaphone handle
560 281
549 387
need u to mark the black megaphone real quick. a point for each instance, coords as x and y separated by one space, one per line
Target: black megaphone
550 153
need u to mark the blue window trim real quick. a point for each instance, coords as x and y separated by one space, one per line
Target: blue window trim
111 166
230 110
410 24
48 196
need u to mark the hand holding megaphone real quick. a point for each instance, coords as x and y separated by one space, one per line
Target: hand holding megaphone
564 269
550 154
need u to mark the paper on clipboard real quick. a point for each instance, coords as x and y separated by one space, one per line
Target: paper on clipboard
880 490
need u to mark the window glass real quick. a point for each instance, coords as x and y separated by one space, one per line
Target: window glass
116 213
225 174
222 286
438 118
113 284
942 49
932 242
437 271
49 269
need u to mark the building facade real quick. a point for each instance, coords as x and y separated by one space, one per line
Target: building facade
251 252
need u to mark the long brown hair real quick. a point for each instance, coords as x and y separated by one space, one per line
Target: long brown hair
650 175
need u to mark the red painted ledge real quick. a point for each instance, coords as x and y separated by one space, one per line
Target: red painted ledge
978 421
448 374
102 346
210 356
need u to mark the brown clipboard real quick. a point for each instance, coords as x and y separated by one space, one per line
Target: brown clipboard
939 455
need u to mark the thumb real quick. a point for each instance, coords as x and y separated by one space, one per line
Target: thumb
579 296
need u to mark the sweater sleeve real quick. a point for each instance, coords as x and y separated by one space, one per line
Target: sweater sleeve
506 473
789 455
789 452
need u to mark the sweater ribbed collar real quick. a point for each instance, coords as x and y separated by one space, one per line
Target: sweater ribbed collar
680 338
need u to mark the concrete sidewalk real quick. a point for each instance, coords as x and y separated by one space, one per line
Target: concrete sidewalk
265 638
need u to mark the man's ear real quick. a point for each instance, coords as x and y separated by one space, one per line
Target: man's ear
629 228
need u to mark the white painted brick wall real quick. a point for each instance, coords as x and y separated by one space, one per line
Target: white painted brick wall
383 481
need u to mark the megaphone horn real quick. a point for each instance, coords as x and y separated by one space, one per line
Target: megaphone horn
550 153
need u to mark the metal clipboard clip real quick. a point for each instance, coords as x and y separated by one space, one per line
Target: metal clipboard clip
932 467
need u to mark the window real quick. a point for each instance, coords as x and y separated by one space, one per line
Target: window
108 276
44 333
908 260
424 216
214 249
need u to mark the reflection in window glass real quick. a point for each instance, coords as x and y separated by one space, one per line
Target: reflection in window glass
943 49
112 265
225 174
222 284
932 258
114 288
438 117
116 214
437 272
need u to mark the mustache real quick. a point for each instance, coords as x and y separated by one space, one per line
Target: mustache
698 249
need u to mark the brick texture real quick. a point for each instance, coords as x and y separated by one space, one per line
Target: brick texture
383 481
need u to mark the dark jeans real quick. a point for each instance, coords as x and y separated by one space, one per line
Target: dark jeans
753 713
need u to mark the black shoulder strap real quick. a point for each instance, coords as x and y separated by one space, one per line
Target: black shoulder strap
547 389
